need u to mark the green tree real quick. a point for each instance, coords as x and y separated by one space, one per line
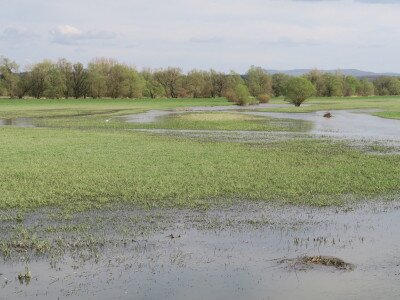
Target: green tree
350 86
8 76
24 84
40 78
258 81
333 85
218 83
116 78
98 76
170 80
56 86
242 94
317 79
151 88
393 86
66 69
279 81
365 88
198 84
298 89
80 82
134 84
387 86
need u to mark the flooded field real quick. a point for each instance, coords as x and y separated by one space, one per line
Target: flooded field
230 250
342 123
154 115
358 127
345 124
252 251
351 125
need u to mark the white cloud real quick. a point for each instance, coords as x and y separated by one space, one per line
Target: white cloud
70 35
222 34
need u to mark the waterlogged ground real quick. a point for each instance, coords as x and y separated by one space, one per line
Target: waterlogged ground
349 125
244 250
237 252
358 126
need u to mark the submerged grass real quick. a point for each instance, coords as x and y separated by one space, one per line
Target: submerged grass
188 121
226 121
79 169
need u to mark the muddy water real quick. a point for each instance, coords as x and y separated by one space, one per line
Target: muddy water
18 122
231 253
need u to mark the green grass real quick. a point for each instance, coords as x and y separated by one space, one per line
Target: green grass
389 114
228 121
390 106
188 121
11 108
80 169
102 164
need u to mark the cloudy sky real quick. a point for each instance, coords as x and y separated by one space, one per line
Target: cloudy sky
222 34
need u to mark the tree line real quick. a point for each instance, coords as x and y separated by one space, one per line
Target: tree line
109 78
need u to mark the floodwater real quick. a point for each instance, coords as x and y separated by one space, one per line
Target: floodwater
230 253
18 122
154 115
357 126
237 252
350 125
345 124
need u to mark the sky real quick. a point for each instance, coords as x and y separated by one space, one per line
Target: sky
220 34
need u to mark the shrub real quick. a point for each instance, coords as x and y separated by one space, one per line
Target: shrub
263 98
242 94
298 89
230 95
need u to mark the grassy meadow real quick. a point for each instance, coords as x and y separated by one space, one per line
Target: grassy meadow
82 162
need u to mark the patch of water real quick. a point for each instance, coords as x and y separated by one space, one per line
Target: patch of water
154 115
232 253
356 126
345 124
17 122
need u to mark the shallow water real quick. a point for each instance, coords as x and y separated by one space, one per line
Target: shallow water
18 122
232 253
345 124
154 115
356 126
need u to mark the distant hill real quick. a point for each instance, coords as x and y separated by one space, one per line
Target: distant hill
352 72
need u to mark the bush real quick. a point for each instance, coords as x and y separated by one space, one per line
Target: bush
242 94
230 95
298 89
263 98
